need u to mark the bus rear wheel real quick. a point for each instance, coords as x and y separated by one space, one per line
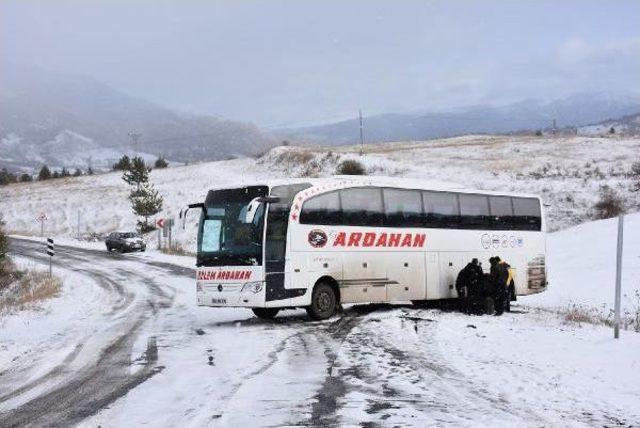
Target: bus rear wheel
265 313
324 302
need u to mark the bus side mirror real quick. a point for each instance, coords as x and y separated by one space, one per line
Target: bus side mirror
183 214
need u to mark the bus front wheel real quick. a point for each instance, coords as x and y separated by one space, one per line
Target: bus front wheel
324 302
265 313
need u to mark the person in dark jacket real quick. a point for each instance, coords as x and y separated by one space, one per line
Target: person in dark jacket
499 276
468 286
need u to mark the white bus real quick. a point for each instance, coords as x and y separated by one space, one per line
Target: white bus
318 243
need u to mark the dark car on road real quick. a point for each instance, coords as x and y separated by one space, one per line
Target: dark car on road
125 241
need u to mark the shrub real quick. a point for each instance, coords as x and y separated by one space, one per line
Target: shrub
294 157
25 178
634 173
311 169
351 167
609 205
161 163
4 244
176 250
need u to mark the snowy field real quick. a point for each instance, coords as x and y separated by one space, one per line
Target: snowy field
566 172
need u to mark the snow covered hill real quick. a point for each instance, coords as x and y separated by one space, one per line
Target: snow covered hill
566 172
627 125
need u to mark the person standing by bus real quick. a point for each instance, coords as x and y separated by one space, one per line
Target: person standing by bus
499 277
468 287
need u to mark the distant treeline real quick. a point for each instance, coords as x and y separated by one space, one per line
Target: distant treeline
45 173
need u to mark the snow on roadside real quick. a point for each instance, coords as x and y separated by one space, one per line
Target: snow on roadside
582 267
42 338
570 375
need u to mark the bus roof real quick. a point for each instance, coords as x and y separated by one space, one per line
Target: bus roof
382 181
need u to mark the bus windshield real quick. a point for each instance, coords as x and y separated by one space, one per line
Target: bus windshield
231 228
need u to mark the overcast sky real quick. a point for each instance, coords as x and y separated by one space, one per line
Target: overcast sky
281 63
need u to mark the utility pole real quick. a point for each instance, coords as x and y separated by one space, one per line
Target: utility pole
553 127
361 133
616 325
135 136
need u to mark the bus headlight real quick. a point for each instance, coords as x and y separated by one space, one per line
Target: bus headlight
254 287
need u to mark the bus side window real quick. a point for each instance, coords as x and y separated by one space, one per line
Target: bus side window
441 210
527 213
474 211
402 208
501 212
362 206
322 209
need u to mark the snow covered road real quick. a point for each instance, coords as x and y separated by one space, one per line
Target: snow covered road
140 352
75 394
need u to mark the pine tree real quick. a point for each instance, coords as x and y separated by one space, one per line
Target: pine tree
145 202
64 172
77 172
137 174
44 174
123 164
89 171
6 177
25 178
56 174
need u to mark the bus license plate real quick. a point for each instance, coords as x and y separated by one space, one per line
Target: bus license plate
219 301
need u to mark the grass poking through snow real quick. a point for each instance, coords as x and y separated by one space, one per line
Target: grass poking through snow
27 290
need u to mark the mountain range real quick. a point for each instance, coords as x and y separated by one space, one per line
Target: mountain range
64 120
529 115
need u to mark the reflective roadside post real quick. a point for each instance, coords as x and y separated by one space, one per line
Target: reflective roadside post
616 325
50 253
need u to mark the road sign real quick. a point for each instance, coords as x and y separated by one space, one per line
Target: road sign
160 223
42 218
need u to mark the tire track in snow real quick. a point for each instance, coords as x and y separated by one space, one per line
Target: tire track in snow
95 386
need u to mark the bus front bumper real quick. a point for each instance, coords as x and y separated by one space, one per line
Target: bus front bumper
250 294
